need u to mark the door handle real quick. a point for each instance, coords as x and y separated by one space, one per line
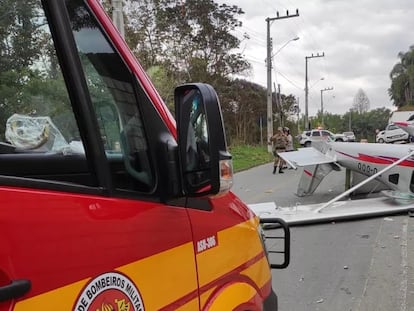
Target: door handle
15 289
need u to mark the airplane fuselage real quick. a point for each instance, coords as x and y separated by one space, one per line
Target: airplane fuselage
369 158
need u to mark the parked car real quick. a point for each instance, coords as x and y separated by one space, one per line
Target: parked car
307 137
392 134
350 136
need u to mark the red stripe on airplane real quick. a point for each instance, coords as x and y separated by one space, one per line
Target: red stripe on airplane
308 173
378 159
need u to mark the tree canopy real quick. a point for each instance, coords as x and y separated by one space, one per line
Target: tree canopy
192 40
401 91
176 42
361 102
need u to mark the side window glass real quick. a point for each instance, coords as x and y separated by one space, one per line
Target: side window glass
35 109
36 118
316 134
115 102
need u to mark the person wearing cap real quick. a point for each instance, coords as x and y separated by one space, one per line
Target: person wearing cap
279 142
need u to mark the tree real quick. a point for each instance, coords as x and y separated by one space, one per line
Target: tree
284 107
198 39
19 34
164 82
244 111
402 80
142 33
191 40
185 41
25 65
361 102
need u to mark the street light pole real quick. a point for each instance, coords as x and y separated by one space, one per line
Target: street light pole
277 91
306 87
269 74
324 90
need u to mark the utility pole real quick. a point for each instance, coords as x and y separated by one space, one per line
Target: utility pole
324 90
118 16
298 112
278 102
306 87
269 74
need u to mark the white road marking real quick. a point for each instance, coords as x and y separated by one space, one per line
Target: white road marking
404 266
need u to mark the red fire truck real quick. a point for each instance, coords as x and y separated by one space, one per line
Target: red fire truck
107 202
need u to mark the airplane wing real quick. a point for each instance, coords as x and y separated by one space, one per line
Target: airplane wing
340 210
305 156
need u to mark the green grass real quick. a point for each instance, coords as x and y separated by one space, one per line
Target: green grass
245 157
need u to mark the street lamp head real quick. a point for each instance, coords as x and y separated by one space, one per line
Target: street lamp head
286 43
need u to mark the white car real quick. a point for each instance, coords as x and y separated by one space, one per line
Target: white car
307 137
350 136
392 134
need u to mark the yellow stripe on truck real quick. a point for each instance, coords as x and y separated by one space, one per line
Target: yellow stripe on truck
168 279
236 246
168 276
161 279
258 272
233 241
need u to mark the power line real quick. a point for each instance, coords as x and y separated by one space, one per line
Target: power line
290 81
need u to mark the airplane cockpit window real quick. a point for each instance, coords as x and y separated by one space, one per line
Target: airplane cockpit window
412 182
394 178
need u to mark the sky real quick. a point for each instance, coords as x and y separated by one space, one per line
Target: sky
360 39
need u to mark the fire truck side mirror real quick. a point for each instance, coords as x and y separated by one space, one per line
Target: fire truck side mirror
204 161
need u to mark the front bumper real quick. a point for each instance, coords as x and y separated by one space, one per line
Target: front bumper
270 303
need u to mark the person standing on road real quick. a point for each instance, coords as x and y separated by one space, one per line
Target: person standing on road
279 142
289 145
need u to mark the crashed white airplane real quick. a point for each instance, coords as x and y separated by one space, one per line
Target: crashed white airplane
392 165
361 158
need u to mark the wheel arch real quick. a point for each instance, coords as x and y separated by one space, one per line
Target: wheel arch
240 295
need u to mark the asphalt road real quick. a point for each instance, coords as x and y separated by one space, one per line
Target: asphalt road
356 265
